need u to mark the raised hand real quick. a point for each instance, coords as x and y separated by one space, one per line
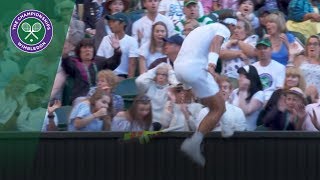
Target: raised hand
56 105
314 120
101 112
115 42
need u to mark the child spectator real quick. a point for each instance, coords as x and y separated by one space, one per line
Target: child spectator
245 12
93 114
137 118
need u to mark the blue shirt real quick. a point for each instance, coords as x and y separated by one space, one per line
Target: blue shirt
82 110
282 56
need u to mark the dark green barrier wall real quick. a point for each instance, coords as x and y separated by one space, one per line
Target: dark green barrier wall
248 156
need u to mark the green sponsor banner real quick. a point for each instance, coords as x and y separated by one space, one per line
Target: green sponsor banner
32 37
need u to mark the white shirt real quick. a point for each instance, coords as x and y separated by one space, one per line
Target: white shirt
231 66
150 57
144 25
128 46
174 9
157 93
233 118
251 119
272 77
196 46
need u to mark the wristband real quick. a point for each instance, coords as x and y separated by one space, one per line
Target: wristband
213 58
50 116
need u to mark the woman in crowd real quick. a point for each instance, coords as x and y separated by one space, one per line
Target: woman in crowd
249 96
93 114
107 81
289 112
279 37
155 84
137 118
238 51
275 101
83 68
150 51
310 64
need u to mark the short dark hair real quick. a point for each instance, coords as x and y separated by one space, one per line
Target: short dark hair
84 42
242 1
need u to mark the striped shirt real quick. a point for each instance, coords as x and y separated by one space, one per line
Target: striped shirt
204 20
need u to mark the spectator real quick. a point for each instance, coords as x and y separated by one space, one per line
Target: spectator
83 68
102 25
155 83
272 73
294 78
173 9
271 4
249 96
304 17
238 51
93 11
127 44
107 81
233 119
137 118
279 37
142 28
180 110
245 12
290 112
93 114
171 49
31 113
191 11
150 51
312 121
310 63
262 15
277 97
189 26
